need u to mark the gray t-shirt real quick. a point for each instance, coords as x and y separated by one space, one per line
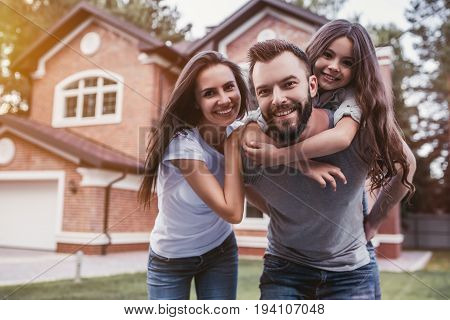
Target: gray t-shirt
310 225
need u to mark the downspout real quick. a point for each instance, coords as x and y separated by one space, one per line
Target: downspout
106 212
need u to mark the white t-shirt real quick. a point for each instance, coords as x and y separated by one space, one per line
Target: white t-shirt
185 225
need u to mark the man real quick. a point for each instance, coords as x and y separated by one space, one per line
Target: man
317 241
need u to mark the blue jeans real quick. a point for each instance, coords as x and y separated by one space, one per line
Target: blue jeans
214 273
375 271
286 280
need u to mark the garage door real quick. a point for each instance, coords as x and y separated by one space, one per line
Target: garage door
28 212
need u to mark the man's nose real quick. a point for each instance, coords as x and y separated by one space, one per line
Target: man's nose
278 97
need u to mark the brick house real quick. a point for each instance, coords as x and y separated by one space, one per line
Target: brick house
69 171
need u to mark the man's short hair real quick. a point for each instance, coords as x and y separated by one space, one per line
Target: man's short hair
268 50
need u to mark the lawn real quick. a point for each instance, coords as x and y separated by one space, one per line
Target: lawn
431 283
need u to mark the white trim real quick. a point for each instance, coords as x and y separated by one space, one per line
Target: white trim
92 238
385 55
130 182
222 46
58 175
97 177
389 238
41 144
157 59
252 241
40 71
58 120
260 224
101 178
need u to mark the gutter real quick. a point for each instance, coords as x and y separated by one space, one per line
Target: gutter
106 212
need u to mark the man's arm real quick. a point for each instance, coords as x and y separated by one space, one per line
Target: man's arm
389 196
256 200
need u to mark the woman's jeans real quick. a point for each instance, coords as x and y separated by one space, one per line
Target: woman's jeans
214 273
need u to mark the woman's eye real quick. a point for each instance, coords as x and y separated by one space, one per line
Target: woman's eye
229 87
208 93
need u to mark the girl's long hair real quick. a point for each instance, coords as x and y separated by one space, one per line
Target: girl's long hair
180 114
382 137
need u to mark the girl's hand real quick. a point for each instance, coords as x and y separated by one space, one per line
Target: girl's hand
321 172
263 153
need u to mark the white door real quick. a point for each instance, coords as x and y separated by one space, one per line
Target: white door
28 214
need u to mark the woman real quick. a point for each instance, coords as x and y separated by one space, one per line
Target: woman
195 171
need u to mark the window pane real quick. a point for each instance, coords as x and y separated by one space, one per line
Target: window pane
90 82
71 107
252 212
109 103
89 105
73 85
108 81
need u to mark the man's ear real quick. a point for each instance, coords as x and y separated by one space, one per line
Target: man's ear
313 85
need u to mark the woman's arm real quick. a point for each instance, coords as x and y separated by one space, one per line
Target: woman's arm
228 202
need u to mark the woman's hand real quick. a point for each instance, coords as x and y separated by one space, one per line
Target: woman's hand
321 172
264 153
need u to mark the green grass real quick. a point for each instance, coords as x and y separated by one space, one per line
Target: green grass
427 284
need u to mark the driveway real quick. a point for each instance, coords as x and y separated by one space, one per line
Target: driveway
24 266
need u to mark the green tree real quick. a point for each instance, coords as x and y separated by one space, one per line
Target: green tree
23 21
430 26
327 8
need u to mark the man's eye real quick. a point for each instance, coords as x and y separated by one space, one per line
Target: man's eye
262 93
290 84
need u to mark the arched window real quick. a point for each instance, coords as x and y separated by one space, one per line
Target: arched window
89 97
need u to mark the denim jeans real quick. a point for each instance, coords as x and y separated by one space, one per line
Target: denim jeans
286 280
375 271
214 273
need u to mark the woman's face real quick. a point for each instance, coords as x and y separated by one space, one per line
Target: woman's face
333 68
217 95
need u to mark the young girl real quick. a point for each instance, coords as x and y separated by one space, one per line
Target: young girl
196 172
345 64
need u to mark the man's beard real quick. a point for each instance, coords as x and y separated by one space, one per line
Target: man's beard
288 132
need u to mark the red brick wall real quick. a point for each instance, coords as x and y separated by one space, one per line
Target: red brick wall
118 54
83 210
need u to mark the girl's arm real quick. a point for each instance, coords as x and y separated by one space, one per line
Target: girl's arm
324 143
227 202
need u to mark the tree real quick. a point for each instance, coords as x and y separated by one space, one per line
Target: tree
22 21
327 8
431 80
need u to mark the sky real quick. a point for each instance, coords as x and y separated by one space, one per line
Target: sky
204 13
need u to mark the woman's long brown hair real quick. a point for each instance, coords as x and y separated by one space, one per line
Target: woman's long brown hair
382 136
180 114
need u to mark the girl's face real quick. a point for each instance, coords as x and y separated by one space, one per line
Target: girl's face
217 95
333 68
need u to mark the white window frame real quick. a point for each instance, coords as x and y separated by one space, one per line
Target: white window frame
253 223
59 101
